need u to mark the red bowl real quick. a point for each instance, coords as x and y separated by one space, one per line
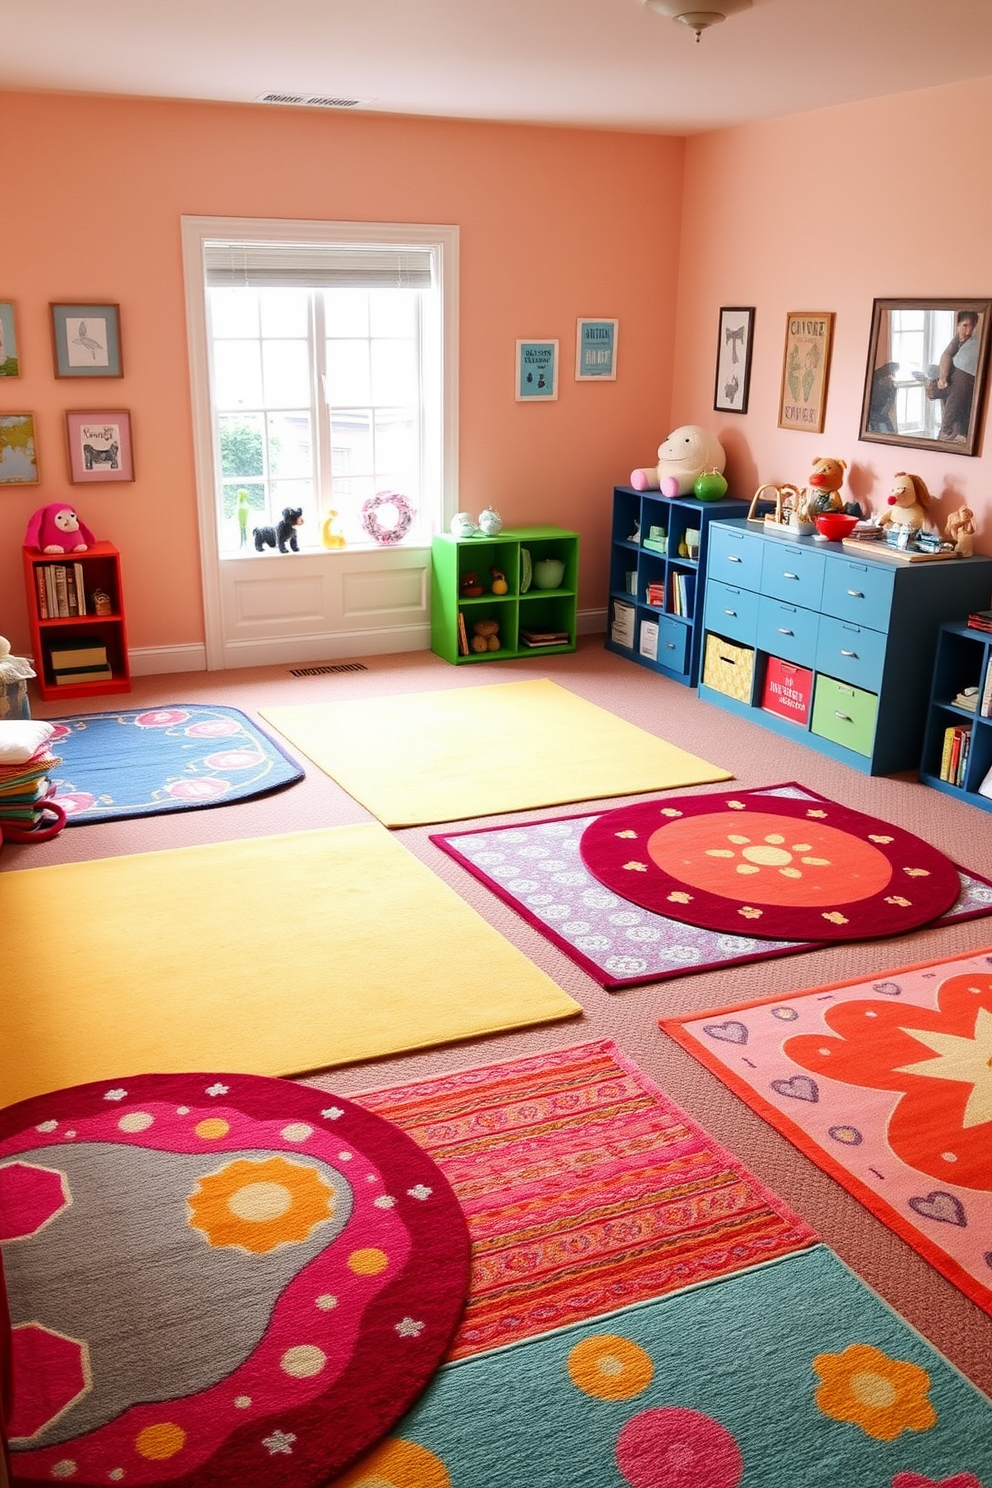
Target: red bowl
836 525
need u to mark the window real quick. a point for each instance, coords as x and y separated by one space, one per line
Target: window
330 376
918 337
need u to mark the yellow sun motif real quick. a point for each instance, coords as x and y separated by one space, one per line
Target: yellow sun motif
868 1389
771 852
636 867
397 1464
256 1206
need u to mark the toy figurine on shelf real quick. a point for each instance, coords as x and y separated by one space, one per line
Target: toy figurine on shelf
57 528
500 585
328 537
960 531
470 587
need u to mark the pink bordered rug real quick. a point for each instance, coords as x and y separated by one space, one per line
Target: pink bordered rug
885 1084
217 1279
788 869
585 1188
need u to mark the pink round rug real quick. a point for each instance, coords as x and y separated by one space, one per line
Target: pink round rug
217 1280
739 862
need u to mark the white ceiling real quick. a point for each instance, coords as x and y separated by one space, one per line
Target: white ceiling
600 63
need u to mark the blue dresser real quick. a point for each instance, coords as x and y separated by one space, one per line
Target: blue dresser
853 633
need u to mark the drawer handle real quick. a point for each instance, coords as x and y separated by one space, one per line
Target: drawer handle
782 631
790 576
844 717
849 653
734 558
670 645
855 593
731 612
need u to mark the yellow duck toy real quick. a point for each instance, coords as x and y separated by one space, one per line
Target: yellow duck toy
328 536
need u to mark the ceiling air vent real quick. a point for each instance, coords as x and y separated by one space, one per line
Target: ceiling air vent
310 100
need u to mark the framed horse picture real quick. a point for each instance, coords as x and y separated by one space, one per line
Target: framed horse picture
99 445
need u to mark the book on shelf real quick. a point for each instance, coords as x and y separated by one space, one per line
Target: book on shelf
61 592
80 587
53 599
986 708
966 698
648 645
543 637
980 620
65 655
656 594
85 674
462 636
39 580
945 753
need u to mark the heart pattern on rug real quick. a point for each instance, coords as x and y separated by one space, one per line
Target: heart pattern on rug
731 1033
943 1207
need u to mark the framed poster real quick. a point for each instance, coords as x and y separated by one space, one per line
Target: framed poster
803 400
18 453
9 365
537 371
925 380
99 446
733 359
596 350
87 340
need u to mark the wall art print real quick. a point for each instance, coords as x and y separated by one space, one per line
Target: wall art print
803 400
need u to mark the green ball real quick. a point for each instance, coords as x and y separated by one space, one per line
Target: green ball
710 486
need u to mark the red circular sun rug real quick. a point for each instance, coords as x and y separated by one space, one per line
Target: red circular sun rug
744 862
217 1280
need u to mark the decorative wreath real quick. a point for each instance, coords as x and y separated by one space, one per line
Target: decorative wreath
402 524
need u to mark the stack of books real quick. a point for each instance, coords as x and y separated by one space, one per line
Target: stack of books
954 757
980 620
683 593
25 786
656 594
61 592
547 637
75 662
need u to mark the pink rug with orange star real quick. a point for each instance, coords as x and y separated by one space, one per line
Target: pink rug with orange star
885 1083
217 1280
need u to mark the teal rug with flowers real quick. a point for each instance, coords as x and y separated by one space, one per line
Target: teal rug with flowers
146 761
791 1373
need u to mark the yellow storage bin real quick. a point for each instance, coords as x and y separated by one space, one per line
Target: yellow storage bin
728 668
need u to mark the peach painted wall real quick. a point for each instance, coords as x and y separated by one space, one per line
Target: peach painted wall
828 211
546 236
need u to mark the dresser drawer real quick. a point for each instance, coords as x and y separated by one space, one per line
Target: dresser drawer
734 556
845 715
728 668
851 652
858 591
673 641
787 630
793 573
731 611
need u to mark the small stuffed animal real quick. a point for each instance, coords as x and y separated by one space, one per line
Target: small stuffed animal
282 533
822 493
500 585
960 531
328 536
470 588
906 503
57 529
485 635
682 458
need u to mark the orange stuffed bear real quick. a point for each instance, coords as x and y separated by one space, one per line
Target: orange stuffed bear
907 502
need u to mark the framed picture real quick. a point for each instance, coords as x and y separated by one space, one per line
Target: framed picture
537 371
18 451
596 351
926 373
87 340
733 359
99 446
9 365
803 400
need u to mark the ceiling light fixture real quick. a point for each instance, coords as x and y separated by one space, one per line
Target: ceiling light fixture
697 20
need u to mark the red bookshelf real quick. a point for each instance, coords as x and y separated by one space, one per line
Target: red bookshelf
98 568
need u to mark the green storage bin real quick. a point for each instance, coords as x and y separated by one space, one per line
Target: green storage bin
844 714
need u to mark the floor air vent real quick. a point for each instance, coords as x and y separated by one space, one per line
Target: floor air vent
311 100
322 671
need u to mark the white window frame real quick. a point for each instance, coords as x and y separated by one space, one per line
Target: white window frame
196 232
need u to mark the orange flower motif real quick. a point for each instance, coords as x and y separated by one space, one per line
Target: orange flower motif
816 812
629 833
876 837
917 872
898 899
678 897
736 805
866 1388
750 913
636 867
258 1205
835 917
670 811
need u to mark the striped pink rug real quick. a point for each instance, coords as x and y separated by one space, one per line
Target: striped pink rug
585 1189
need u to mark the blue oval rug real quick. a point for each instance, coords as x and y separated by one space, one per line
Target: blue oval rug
151 760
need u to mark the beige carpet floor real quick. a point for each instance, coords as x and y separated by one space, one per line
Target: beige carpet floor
754 757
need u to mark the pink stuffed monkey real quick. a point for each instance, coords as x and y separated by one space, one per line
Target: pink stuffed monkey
57 529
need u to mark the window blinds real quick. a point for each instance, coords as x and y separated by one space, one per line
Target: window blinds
259 265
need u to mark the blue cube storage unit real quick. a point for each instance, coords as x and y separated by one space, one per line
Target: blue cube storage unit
657 581
963 661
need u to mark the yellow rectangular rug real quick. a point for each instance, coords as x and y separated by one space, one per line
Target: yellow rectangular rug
424 757
271 956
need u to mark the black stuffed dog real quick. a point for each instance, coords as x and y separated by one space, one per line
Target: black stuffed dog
282 533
